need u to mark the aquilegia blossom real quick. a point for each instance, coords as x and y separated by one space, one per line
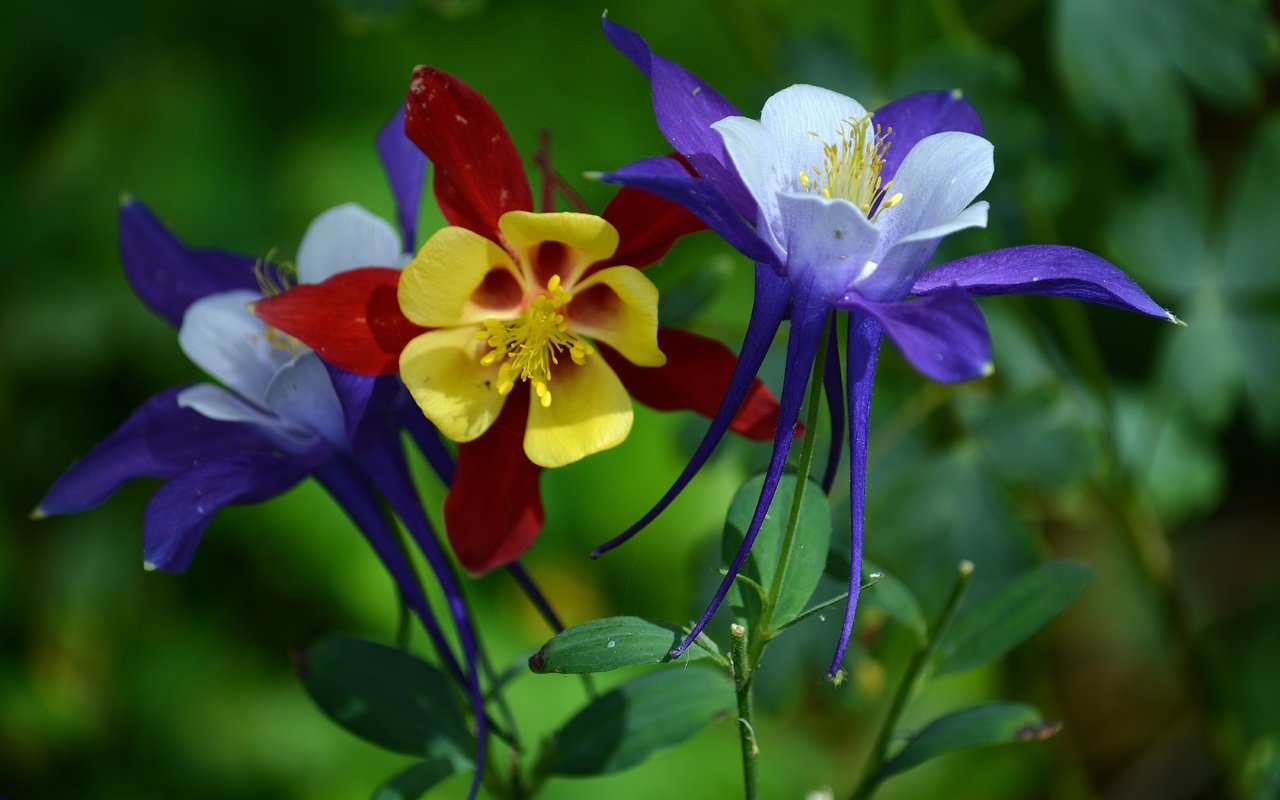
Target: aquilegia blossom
842 209
284 415
521 335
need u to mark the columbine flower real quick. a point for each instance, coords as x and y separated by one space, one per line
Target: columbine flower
842 210
520 335
284 414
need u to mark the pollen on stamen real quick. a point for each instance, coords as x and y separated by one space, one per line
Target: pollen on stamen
852 165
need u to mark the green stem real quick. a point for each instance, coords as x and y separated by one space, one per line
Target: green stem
746 725
871 777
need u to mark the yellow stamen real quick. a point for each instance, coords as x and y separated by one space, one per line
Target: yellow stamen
851 167
529 345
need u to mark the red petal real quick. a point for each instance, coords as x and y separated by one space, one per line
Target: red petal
478 172
351 319
493 511
647 225
696 377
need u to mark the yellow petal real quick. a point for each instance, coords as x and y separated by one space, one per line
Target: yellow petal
619 306
563 243
443 372
590 411
459 278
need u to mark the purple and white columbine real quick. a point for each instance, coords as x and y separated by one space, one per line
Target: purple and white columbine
842 210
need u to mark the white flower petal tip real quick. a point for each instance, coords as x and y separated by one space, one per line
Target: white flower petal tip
149 566
38 513
346 237
957 93
988 369
1169 316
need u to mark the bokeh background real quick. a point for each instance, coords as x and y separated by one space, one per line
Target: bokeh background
1144 130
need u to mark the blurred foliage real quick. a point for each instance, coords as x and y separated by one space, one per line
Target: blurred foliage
1142 130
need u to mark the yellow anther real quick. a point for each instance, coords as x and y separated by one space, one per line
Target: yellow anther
851 167
529 345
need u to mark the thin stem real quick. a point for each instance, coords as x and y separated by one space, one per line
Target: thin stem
746 724
871 777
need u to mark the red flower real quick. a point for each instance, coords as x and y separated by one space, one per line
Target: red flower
488 312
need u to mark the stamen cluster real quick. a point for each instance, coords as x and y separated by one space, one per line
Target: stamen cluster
529 344
851 167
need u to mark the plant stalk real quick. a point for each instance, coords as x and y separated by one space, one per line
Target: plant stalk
746 723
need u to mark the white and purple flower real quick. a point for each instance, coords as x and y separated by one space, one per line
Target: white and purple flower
842 210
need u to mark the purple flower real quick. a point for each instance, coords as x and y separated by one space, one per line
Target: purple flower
842 210
279 413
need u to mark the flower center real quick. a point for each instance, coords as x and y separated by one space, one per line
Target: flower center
531 343
851 167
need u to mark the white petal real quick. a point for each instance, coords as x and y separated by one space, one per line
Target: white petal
828 242
302 393
938 180
755 156
906 259
221 336
801 119
217 403
344 238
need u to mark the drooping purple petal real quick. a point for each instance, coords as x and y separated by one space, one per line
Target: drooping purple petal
386 467
863 349
1053 270
833 387
406 168
180 510
360 500
424 434
944 336
166 274
685 106
914 117
769 308
808 313
160 440
665 177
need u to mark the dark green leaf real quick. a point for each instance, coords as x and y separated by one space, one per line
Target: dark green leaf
604 644
385 695
415 781
808 550
627 725
980 726
1012 615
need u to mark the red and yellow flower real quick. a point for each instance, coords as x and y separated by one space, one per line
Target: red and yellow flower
522 336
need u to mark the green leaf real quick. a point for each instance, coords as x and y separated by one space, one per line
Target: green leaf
1012 615
415 781
895 599
604 644
638 718
386 696
808 549
980 726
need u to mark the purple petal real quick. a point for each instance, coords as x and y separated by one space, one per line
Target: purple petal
944 335
914 117
425 435
864 350
406 167
180 510
160 440
685 107
360 500
808 313
770 306
1053 270
833 387
168 275
387 468
535 595
665 177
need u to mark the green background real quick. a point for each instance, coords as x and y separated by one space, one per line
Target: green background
1142 130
